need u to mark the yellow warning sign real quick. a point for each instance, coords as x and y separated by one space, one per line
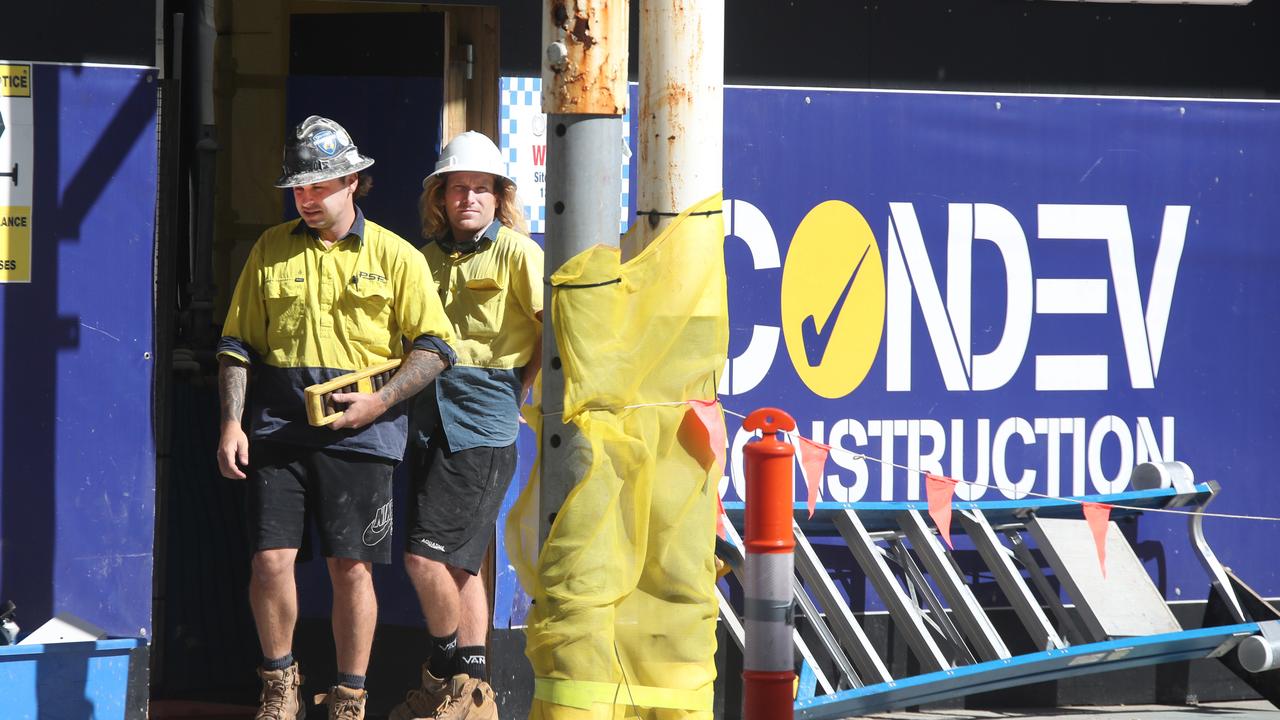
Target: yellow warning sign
17 165
15 81
15 244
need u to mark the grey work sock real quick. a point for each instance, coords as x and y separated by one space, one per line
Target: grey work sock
279 663
355 682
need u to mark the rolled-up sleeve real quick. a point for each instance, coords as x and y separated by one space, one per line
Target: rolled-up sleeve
418 310
244 334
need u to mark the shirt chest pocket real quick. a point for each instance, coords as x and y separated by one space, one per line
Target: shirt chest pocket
368 312
484 298
286 300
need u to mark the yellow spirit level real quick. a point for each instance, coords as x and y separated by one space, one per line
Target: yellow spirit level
320 408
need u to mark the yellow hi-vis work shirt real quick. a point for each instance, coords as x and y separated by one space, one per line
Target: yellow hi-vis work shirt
304 314
492 294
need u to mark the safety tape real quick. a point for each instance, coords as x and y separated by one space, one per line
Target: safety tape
583 694
774 611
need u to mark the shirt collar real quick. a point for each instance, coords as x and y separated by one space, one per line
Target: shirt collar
357 228
486 238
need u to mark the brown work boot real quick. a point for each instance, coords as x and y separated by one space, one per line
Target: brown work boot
344 703
281 697
422 703
469 698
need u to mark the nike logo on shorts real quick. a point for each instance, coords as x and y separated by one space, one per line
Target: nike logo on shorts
380 527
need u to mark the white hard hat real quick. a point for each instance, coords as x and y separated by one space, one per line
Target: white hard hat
470 152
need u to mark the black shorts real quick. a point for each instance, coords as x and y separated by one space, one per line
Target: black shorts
454 499
346 495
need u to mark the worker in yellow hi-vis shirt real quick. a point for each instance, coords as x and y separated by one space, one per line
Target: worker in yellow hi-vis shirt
320 297
464 426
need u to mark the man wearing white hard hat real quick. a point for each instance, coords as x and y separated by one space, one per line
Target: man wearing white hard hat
320 297
463 431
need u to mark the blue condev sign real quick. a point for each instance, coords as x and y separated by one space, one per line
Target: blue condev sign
1029 294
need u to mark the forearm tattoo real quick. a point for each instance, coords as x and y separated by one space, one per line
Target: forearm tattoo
233 381
417 370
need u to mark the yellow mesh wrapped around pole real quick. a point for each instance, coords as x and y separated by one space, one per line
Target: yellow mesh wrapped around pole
624 613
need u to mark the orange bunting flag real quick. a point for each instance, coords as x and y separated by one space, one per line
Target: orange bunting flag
720 531
939 490
1098 515
708 412
813 461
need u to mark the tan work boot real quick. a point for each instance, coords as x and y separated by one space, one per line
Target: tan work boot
344 703
422 703
281 697
469 698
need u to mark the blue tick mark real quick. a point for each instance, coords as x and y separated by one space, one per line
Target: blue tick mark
816 340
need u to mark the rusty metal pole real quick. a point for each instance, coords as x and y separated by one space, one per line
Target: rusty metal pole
584 93
681 116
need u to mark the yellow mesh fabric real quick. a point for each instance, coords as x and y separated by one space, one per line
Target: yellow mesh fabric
624 613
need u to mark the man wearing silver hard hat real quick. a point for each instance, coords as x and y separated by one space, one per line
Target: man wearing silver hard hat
463 454
321 297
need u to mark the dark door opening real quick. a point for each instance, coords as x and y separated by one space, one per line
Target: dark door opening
381 76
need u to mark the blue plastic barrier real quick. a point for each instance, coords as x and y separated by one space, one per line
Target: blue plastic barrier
69 680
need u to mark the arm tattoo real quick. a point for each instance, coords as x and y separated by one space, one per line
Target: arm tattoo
233 379
419 368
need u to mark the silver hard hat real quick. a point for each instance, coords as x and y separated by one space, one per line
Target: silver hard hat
318 150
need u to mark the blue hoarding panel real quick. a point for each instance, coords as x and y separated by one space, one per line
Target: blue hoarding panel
78 483
510 602
1027 293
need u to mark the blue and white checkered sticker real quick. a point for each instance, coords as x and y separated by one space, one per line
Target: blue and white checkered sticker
522 137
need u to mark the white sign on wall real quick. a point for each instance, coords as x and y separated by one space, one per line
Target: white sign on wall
16 151
523 140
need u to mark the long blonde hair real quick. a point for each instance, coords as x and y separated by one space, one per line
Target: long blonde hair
435 223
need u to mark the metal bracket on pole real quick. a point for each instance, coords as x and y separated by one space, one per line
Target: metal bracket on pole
584 93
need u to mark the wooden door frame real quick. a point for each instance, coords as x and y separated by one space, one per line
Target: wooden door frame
470 104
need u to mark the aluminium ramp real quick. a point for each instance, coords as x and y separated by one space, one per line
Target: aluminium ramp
949 632
1023 669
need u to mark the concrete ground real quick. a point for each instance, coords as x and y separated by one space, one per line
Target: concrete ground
1240 710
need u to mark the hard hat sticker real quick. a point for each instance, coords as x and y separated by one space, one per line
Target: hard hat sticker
326 142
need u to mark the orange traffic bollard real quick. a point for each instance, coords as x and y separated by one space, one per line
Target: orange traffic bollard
768 677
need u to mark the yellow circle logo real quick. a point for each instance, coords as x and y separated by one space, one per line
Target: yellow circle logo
833 299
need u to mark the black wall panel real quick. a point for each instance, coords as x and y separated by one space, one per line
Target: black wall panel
996 45
120 32
1000 45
